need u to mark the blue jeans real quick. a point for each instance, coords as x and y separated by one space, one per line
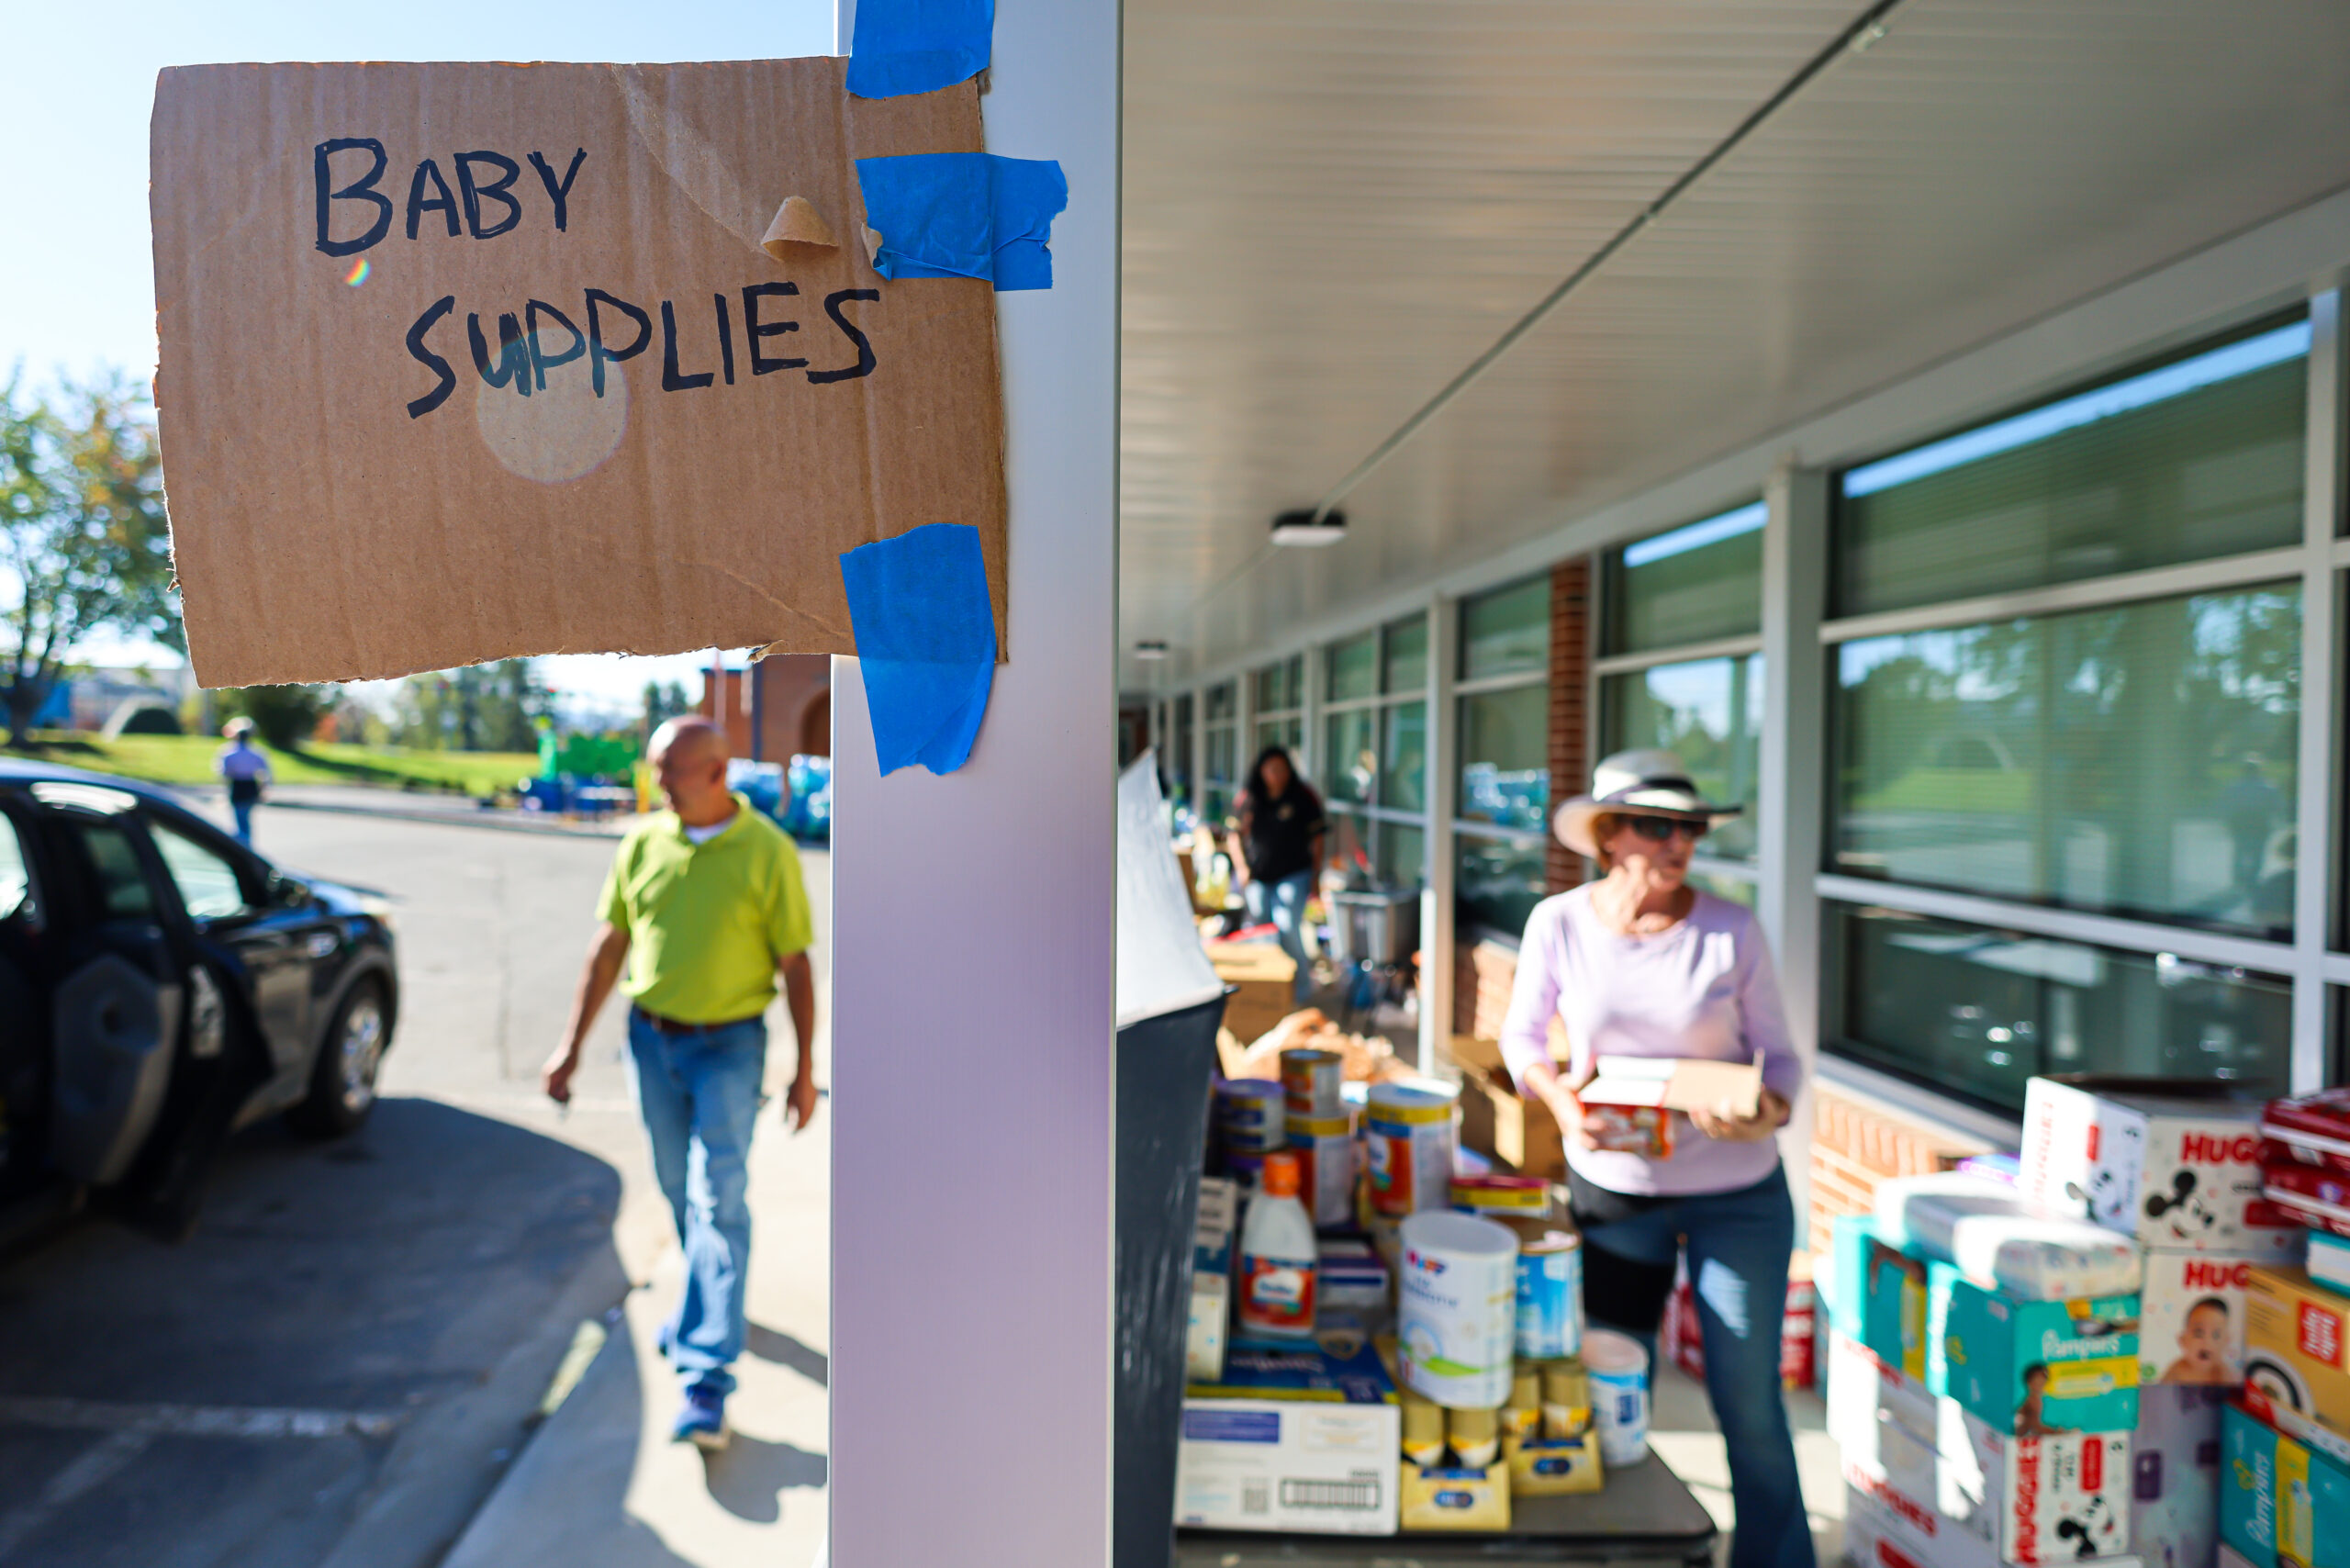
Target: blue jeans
243 810
699 1095
1283 903
1738 1243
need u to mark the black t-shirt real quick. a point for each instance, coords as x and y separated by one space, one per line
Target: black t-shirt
1278 840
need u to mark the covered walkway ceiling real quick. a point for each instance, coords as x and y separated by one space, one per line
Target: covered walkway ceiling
1332 207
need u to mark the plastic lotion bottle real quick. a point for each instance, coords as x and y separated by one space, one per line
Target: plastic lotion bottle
1277 1255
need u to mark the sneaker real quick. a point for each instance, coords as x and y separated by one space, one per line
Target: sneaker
702 1421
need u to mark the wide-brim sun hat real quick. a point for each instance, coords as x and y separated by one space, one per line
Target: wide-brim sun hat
1636 783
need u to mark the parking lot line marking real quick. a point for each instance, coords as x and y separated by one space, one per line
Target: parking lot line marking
88 1472
193 1420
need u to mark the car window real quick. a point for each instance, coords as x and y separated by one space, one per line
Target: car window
16 874
207 883
122 889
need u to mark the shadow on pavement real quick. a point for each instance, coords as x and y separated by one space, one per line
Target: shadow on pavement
772 1345
749 1478
334 1369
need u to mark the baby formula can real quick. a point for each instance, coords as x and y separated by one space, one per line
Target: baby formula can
1408 1149
1311 1079
1249 1116
1505 1198
1618 1369
1550 1295
1324 1147
1455 1302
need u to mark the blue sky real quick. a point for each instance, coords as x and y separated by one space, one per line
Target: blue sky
75 277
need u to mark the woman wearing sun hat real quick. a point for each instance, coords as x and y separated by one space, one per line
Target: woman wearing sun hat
1640 963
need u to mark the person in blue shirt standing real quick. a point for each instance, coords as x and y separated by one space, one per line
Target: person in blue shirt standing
246 769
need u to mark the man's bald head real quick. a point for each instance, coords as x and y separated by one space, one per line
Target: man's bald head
688 760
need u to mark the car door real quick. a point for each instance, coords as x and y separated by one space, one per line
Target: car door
118 996
25 960
276 931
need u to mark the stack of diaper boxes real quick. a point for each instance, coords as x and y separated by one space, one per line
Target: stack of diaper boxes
1982 1379
2178 1167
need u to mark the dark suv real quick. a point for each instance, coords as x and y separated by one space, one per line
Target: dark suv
161 986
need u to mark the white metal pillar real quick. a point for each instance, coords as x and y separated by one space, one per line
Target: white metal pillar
972 969
1436 938
1795 776
2317 879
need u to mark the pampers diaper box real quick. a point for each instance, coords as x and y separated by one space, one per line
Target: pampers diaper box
1880 1296
2280 1501
1292 1439
2035 1499
2179 1171
2033 1367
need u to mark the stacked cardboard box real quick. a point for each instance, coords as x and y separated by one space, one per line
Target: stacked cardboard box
2178 1167
1980 1426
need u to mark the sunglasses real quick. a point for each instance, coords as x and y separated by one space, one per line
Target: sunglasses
1660 830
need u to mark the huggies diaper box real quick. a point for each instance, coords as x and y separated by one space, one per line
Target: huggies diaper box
1886 1527
2179 1171
2190 1323
2035 1499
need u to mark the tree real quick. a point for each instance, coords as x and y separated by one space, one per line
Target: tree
663 703
283 714
84 541
479 708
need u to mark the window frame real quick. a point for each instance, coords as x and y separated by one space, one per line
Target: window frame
1370 816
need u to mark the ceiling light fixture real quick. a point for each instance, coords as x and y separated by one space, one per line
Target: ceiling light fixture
1150 648
1308 528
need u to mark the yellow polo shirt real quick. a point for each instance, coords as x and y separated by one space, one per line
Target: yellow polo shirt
707 923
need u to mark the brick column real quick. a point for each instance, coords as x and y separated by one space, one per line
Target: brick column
1571 757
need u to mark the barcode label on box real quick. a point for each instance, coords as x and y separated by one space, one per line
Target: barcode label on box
1354 1496
1256 1498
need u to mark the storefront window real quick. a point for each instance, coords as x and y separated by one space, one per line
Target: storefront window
1351 759
1697 584
1496 882
1975 1011
1402 855
1507 631
1405 667
1289 733
1504 757
1403 748
1353 668
1281 687
1178 752
1709 713
1222 772
2138 759
2194 459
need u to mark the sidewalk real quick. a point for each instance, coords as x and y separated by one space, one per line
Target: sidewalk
599 1484
1682 1431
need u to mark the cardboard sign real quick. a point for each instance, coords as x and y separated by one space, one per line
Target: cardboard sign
468 362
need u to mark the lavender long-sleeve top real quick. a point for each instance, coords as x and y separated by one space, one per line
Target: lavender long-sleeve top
1705 989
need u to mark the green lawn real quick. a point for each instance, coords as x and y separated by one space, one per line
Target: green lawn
187 759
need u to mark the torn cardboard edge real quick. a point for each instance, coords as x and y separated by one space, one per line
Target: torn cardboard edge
1675 1084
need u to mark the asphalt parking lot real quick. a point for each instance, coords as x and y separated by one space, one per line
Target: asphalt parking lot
340 1364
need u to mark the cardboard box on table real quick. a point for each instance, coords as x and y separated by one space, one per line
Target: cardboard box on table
2157 1159
1291 1440
2033 1499
1499 1122
1262 977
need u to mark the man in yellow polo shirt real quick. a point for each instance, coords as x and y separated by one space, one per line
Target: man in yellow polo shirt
705 907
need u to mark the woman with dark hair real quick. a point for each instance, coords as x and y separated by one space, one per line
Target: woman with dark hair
1276 844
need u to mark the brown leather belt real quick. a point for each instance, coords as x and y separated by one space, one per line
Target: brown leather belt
674 1026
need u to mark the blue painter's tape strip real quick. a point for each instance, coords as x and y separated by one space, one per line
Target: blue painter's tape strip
917 46
964 214
926 642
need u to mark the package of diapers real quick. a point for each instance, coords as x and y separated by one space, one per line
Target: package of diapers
2003 1241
